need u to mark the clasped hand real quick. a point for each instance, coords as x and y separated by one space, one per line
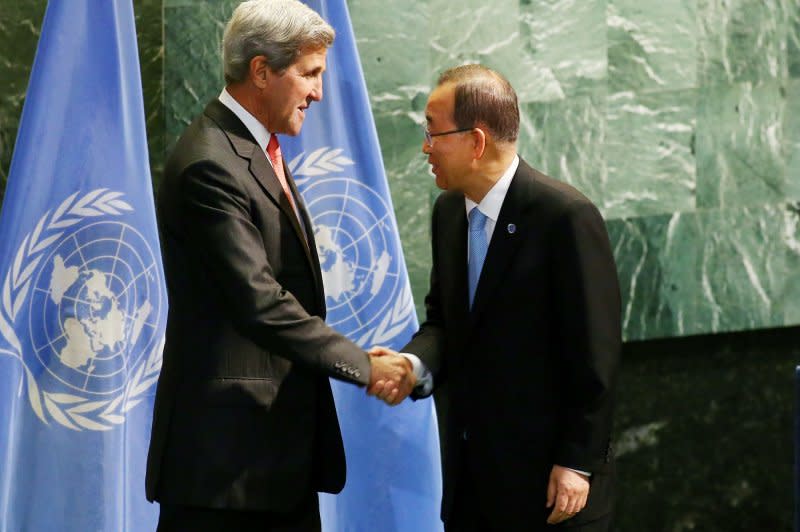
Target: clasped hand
392 377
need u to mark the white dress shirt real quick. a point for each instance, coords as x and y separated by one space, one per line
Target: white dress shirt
492 202
252 124
490 206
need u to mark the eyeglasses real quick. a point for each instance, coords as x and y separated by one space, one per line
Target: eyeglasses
429 136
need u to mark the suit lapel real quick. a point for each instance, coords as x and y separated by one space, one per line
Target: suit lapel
509 232
246 147
453 253
262 170
311 248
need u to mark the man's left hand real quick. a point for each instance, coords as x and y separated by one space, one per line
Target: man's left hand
567 491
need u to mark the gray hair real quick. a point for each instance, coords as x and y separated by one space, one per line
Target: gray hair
276 29
483 96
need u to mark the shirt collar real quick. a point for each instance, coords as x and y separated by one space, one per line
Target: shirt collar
252 124
493 200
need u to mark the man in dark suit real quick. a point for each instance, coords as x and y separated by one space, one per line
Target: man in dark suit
523 324
245 431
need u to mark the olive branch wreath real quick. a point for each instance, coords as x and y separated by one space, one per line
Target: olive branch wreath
72 411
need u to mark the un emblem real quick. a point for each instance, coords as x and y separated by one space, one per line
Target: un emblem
84 292
367 295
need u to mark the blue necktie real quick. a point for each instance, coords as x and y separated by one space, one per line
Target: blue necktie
477 249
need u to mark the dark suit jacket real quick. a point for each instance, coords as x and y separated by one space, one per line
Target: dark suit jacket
530 370
244 416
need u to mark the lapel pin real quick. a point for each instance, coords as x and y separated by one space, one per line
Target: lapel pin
511 229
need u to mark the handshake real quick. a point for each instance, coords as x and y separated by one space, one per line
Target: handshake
392 377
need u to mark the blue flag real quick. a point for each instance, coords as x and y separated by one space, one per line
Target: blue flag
393 465
82 298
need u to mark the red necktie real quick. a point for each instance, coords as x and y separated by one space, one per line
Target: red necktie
274 153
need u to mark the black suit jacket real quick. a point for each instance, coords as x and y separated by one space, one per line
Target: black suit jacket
244 416
530 369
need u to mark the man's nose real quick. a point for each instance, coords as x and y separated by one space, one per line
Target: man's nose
316 91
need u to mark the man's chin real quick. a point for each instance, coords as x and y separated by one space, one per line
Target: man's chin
294 129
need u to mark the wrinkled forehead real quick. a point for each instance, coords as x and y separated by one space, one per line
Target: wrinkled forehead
311 55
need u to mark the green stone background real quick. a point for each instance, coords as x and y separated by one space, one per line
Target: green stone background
679 118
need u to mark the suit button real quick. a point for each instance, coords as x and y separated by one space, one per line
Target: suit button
357 374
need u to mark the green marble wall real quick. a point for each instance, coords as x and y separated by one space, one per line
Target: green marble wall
680 118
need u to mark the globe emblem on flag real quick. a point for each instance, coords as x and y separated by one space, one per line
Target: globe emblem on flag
353 230
82 310
94 297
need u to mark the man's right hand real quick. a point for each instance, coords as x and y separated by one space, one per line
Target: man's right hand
392 378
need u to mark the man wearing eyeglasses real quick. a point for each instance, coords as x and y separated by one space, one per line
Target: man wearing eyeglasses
523 324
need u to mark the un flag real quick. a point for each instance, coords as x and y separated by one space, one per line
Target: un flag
393 469
82 299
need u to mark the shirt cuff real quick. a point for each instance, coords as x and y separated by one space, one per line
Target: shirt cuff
424 384
587 473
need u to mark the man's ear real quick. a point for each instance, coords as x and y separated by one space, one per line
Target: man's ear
479 142
259 71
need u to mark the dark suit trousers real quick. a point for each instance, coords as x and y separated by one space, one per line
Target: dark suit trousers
179 518
466 514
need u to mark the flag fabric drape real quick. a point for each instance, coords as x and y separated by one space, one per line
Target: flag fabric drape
82 298
393 465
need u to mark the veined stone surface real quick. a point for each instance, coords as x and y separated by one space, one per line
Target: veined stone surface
193 67
708 271
791 138
651 45
563 52
740 158
649 150
741 40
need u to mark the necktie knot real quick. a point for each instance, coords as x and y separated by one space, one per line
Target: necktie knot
477 220
274 149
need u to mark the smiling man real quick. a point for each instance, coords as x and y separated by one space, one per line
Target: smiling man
245 431
523 324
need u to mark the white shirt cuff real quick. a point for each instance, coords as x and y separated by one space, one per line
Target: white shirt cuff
424 384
